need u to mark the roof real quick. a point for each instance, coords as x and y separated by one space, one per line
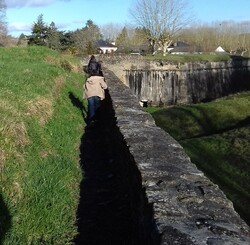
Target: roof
179 44
182 49
219 49
102 43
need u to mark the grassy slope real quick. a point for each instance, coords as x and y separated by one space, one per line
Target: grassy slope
216 136
204 118
225 158
40 131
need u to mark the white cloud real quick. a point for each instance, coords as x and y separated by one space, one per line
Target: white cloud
19 27
29 3
16 28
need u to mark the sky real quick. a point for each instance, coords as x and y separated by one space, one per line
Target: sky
68 15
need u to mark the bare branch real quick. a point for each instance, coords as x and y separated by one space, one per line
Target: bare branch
162 18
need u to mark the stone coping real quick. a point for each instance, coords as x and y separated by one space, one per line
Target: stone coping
188 207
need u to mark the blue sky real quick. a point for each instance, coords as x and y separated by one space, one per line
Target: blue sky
72 14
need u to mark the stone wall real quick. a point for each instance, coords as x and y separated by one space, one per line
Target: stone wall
171 83
188 208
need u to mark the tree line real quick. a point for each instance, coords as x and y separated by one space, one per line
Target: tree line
156 25
78 42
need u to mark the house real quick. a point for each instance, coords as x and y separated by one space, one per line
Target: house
180 48
105 47
220 50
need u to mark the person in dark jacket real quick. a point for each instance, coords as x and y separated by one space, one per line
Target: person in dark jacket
93 64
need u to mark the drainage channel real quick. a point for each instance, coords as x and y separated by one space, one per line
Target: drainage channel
113 207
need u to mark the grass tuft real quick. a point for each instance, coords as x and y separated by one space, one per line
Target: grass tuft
40 108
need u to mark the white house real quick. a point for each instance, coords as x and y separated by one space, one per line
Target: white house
220 50
105 47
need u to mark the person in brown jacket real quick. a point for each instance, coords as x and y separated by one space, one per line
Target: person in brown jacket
94 93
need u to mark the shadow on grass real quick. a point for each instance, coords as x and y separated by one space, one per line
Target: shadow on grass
77 103
5 220
204 124
113 207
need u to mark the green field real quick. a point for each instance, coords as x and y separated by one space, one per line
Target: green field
216 136
40 131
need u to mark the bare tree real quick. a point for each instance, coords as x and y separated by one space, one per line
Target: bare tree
236 36
110 31
203 37
162 19
3 24
85 38
245 38
233 36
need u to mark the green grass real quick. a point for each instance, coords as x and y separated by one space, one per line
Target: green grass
216 136
193 120
225 159
40 132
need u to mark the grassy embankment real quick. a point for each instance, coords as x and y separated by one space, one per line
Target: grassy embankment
216 136
40 134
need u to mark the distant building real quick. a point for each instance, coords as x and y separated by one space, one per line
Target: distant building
180 48
220 50
105 47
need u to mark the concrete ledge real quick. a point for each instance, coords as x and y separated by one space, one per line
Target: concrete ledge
188 207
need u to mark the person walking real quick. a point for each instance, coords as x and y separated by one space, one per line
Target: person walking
93 64
94 92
